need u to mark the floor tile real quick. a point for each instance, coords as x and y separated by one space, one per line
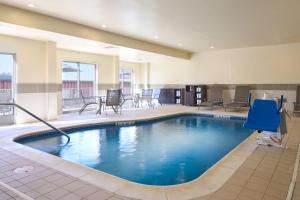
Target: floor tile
99 195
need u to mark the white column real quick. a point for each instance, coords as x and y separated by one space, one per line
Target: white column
116 71
51 93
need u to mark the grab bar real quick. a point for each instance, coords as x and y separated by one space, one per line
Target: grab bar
249 101
36 117
280 105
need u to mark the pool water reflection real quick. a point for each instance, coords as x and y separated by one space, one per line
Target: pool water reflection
162 152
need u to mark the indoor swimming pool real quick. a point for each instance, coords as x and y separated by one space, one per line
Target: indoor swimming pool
165 151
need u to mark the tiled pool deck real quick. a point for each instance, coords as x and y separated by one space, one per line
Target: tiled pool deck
264 173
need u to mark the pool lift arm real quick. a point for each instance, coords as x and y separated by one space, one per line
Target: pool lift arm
38 118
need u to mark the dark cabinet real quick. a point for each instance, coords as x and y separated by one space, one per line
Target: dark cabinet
194 94
171 96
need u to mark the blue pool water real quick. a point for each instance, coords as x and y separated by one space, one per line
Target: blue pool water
161 152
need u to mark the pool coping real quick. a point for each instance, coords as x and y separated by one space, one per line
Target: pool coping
207 183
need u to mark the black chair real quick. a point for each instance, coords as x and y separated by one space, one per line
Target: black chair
113 100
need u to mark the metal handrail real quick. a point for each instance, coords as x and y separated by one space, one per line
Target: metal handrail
36 117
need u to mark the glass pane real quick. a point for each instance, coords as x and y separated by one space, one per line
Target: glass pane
78 78
6 88
6 77
127 74
70 92
126 80
87 79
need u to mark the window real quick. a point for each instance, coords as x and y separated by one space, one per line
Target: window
126 80
7 65
77 78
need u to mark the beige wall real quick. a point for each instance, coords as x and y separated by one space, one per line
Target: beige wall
31 62
172 71
38 74
30 57
278 64
39 63
269 64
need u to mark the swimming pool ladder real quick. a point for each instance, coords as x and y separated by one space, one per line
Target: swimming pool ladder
36 117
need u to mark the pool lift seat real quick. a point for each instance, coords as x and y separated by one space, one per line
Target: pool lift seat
266 115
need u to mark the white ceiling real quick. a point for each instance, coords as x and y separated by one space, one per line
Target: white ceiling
196 24
79 44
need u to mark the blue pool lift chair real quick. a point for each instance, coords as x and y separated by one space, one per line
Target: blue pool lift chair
264 115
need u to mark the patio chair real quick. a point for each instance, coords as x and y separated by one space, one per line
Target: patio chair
87 101
147 95
297 102
127 97
113 99
241 98
215 99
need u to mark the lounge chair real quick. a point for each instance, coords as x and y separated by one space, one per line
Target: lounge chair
113 99
297 102
241 98
147 95
87 101
215 99
127 97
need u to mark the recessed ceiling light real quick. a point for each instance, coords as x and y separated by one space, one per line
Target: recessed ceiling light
31 5
104 26
212 47
155 37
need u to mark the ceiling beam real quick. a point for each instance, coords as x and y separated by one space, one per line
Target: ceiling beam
13 15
